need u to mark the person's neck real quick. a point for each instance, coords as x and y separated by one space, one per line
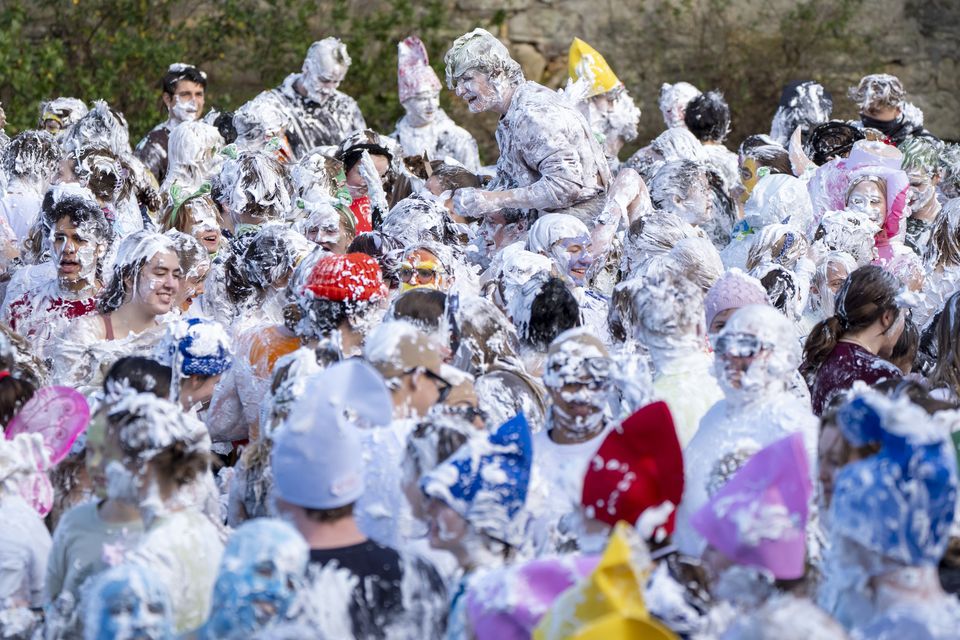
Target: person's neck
402 405
131 318
870 338
113 510
25 183
75 289
929 211
560 431
666 349
504 106
330 535
351 342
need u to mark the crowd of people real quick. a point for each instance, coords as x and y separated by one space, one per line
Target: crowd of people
273 374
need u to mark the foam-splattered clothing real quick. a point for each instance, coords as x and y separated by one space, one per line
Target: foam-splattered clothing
81 544
24 547
183 550
689 388
20 206
726 436
846 364
44 312
317 123
152 150
439 139
556 487
391 596
550 156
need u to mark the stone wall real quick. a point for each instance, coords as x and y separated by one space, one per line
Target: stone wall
747 49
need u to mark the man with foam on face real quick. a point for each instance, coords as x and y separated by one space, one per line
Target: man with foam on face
549 158
184 87
426 128
320 114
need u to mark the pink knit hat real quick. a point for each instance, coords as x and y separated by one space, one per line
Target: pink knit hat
733 290
414 74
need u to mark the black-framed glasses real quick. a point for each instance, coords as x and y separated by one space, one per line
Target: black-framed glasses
444 387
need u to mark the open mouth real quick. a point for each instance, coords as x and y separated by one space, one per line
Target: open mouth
69 266
209 238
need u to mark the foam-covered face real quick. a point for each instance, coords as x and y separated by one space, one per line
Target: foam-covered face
577 379
922 189
322 72
355 182
868 197
736 354
103 454
159 282
422 108
76 251
882 112
258 577
132 610
448 529
204 225
191 287
423 269
573 256
697 207
749 175
186 104
616 118
480 91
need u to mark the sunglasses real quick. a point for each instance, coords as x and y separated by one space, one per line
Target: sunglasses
443 386
423 273
740 345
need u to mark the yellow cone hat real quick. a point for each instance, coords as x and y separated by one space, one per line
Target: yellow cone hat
608 604
585 61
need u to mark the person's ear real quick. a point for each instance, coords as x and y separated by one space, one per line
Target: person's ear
888 319
167 100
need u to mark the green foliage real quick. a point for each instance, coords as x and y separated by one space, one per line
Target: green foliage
118 50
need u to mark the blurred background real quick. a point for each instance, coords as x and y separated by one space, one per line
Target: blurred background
748 49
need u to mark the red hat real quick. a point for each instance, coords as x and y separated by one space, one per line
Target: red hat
639 466
353 277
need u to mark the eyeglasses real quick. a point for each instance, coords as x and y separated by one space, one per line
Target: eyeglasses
443 386
740 345
425 272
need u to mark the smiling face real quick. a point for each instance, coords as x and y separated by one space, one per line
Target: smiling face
422 108
158 283
76 252
868 197
574 257
203 224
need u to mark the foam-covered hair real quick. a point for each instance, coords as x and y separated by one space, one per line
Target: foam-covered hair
480 50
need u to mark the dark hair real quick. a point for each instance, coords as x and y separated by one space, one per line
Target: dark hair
708 117
907 344
352 155
553 311
30 151
422 307
831 140
80 211
143 375
179 464
14 393
384 249
767 153
865 296
781 287
187 72
329 515
224 124
946 370
451 177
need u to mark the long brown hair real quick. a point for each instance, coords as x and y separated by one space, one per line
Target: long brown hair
946 371
864 297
